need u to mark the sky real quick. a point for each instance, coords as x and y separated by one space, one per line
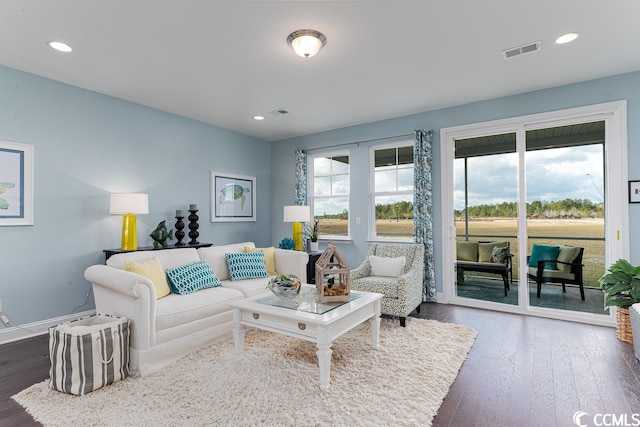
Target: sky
552 174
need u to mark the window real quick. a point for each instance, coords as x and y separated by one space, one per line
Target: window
330 194
392 195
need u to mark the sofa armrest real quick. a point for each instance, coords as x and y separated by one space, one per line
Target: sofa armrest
292 262
126 294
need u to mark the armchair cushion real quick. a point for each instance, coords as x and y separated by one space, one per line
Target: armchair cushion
387 267
544 252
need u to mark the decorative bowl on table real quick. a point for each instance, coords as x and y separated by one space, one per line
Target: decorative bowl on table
285 286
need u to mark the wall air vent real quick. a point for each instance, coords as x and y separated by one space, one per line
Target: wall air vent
279 112
521 50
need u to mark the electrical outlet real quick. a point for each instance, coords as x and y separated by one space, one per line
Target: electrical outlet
0 306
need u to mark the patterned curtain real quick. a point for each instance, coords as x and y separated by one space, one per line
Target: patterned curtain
301 178
423 208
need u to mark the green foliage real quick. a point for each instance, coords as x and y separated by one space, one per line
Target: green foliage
313 233
621 285
575 208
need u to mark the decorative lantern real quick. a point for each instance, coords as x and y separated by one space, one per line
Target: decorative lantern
333 277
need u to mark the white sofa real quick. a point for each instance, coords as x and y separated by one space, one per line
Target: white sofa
166 329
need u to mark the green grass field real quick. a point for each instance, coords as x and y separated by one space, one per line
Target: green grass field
554 232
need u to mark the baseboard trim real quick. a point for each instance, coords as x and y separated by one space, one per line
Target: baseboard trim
17 333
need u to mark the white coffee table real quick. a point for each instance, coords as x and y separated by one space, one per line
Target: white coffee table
307 319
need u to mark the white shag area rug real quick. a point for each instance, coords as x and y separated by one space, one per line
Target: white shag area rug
277 383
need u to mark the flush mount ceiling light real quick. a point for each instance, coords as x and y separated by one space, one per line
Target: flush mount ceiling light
306 43
566 38
60 46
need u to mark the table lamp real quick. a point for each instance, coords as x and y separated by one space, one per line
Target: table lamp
297 215
129 205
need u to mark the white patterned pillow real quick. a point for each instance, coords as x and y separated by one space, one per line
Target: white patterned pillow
246 265
192 277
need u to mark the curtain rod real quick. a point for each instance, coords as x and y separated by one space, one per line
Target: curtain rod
358 142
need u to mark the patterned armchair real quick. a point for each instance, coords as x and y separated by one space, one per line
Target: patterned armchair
402 293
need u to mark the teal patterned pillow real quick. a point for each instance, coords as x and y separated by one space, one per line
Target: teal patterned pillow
246 265
192 277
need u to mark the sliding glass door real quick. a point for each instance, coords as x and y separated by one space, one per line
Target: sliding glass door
528 218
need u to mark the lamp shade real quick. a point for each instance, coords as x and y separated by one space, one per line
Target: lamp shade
306 43
297 214
124 203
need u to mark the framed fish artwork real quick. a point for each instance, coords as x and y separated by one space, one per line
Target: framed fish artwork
233 197
16 184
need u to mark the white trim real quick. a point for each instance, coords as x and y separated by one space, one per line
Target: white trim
16 333
617 220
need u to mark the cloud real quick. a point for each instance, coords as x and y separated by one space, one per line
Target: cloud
552 174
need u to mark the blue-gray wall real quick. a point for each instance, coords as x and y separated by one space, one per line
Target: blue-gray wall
86 146
615 88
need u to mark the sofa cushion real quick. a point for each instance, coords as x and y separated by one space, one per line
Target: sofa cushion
382 285
192 277
387 267
466 251
269 257
248 287
152 269
544 252
168 258
216 256
246 265
175 310
567 254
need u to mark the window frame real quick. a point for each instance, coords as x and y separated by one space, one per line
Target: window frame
311 197
373 194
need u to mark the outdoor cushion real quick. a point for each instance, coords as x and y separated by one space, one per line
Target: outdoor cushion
485 249
567 254
544 252
555 274
466 251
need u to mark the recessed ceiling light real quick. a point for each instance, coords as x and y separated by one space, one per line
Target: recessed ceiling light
566 38
60 46
258 117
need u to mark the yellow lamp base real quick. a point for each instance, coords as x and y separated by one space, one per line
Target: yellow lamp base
129 233
297 236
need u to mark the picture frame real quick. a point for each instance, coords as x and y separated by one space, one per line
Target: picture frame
233 197
16 184
634 191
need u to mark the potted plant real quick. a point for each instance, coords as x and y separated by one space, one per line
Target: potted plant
622 288
312 234
285 285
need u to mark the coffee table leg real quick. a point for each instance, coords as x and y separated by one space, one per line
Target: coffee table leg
324 361
238 334
374 322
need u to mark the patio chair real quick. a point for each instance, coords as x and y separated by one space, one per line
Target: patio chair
556 264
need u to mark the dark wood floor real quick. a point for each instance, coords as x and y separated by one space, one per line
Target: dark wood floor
521 371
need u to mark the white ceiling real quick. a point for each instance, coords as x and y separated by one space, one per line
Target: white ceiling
222 62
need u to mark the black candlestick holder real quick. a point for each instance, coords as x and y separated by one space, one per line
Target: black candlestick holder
193 227
179 233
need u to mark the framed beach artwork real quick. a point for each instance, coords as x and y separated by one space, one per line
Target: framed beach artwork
233 197
16 184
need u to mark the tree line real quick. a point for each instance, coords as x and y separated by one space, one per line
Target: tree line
567 208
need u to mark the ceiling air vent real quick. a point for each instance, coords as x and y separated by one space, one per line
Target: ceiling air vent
279 112
521 50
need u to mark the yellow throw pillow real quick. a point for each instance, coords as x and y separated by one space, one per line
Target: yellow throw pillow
151 269
269 257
